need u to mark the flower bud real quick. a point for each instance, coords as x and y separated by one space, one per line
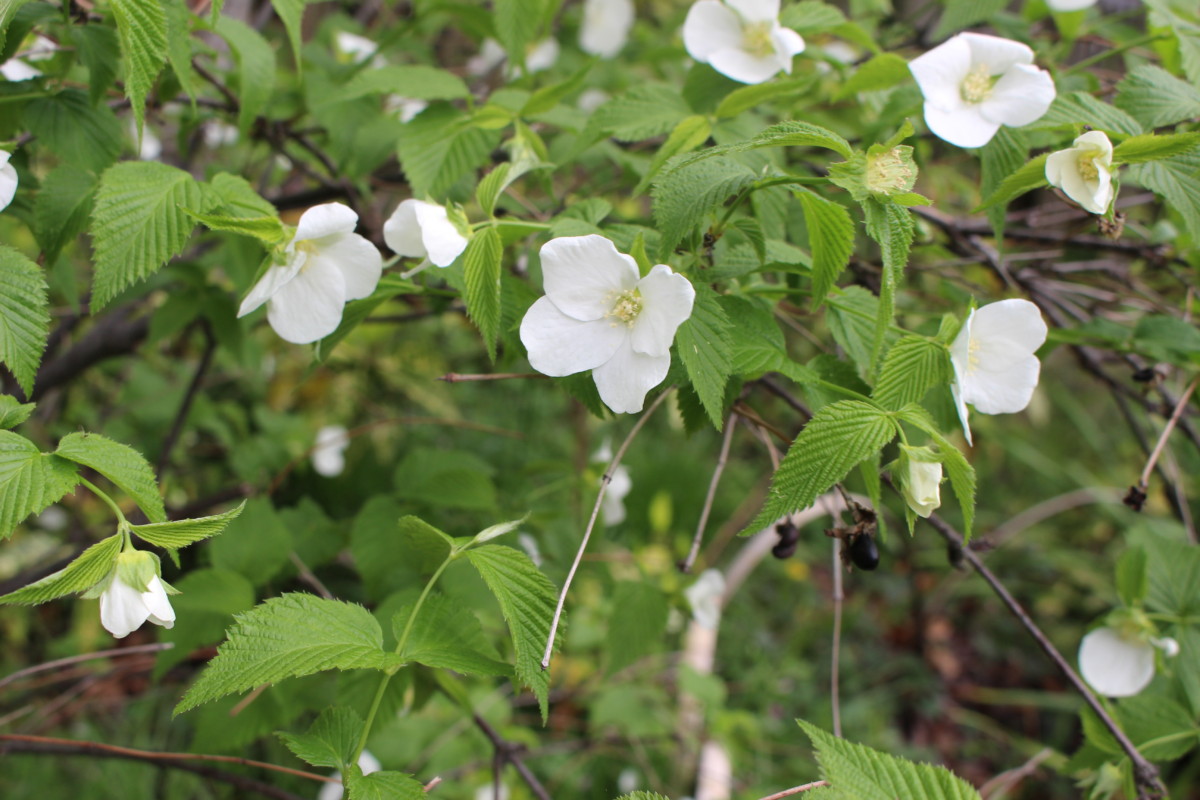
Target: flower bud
920 476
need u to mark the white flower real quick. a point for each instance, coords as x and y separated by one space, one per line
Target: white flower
619 485
327 265
995 368
333 791
597 314
17 70
922 486
417 229
538 56
328 454
741 39
605 27
405 108
149 146
8 180
591 99
358 48
1120 666
1070 5
134 595
705 597
974 83
1084 171
219 134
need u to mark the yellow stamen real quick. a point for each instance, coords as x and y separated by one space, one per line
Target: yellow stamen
977 86
756 39
626 307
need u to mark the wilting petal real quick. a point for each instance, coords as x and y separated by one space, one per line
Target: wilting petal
441 239
940 73
735 63
584 274
710 27
310 306
624 379
667 300
756 10
8 180
997 53
605 27
1021 96
559 345
274 279
964 126
1114 666
325 220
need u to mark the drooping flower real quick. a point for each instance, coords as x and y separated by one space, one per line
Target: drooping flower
326 265
1084 171
329 453
334 791
417 229
974 83
8 180
920 477
134 595
605 27
1070 5
995 368
599 315
1118 664
741 39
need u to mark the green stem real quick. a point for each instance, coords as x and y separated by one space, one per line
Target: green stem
510 223
1138 42
107 500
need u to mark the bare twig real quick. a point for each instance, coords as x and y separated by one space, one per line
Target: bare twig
71 660
796 790
836 645
455 377
1162 439
507 751
164 456
1010 778
730 424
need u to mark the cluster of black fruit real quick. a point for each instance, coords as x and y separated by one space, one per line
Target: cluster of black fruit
858 540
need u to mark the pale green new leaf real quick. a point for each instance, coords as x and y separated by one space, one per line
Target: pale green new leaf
238 198
689 134
121 464
794 133
24 317
684 196
892 227
858 772
481 284
446 635
1029 177
173 535
92 566
1156 98
256 68
179 45
382 786
703 345
330 741
490 186
912 367
644 111
439 147
831 238
292 14
13 412
289 637
268 230
139 224
811 16
30 480
142 28
62 208
1151 147
838 436
527 599
1076 109
408 80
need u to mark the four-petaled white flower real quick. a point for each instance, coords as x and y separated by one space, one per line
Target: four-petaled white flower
327 264
741 39
597 314
1117 665
605 27
334 791
329 453
417 229
134 595
1084 171
1070 5
8 180
995 368
974 83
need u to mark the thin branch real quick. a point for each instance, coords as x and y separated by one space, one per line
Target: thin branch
587 534
455 377
835 654
796 790
71 660
508 751
730 424
164 456
1010 778
1162 439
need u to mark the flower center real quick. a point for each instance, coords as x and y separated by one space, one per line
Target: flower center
977 86
1087 166
308 248
626 308
756 39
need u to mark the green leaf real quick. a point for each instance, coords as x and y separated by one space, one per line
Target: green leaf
865 774
1132 577
173 535
999 158
547 97
811 16
1162 729
958 469
409 80
92 566
756 343
77 132
256 68
960 14
892 227
517 22
268 230
24 317
13 412
292 14
912 367
139 223
690 133
703 345
121 464
489 188
1075 109
838 436
639 620
439 147
100 53
8 8
1029 177
179 45
644 111
382 786
1175 179
748 97
142 29
446 635
799 134
331 740
1156 98
881 72
256 544
62 208
30 480
288 637
852 314
684 196
1151 147
481 284
831 238
238 198
527 599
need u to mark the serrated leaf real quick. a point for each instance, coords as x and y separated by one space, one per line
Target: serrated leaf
517 22
121 464
683 197
13 412
1156 98
62 208
831 239
30 480
382 786
489 188
179 45
330 741
1175 179
527 599
289 637
865 774
912 367
1029 177
892 227
793 133
481 284
446 635
100 53
1075 109
238 198
139 224
142 30
256 68
881 72
1132 578
838 436
439 147
1151 147
173 535
811 16
999 158
8 8
748 97
268 230
92 566
852 315
642 112
292 14
547 97
690 133
756 343
24 317
409 80
960 14
703 345
79 133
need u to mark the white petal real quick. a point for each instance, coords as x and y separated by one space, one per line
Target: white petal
710 26
356 257
17 70
1096 140
613 505
997 53
559 345
705 597
8 181
325 220
1001 371
1115 667
1102 191
327 455
332 791
1021 96
960 360
442 241
1002 391
355 46
964 127
961 406
667 300
542 55
787 42
368 763
583 275
309 307
606 25
121 609
924 487
940 73
1015 321
1059 164
756 10
1070 5
402 232
158 604
491 55
274 279
624 379
745 67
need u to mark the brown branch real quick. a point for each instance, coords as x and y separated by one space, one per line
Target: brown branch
116 334
796 790
509 752
185 405
730 423
456 377
71 660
